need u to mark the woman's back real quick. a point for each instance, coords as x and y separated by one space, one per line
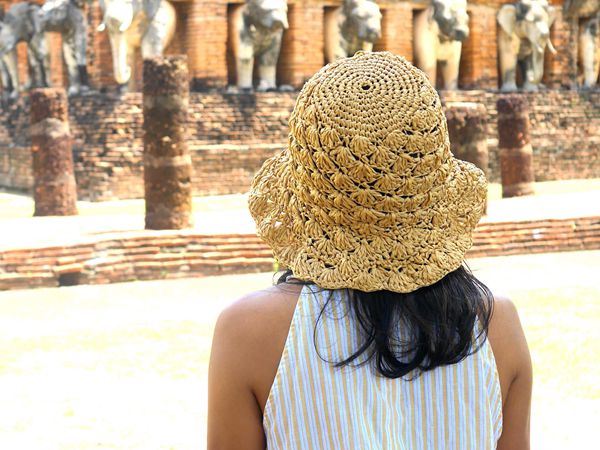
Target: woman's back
248 347
315 405
367 196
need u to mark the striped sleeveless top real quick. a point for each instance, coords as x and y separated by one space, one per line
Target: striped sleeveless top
314 405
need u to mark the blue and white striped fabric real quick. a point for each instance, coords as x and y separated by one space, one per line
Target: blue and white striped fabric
313 405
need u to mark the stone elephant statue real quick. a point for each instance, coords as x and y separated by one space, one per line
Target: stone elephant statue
523 36
584 16
8 69
5 77
21 24
67 18
131 24
256 33
354 26
439 31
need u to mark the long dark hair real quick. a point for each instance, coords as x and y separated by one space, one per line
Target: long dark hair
442 324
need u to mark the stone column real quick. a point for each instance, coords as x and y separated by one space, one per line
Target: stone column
167 162
467 129
54 188
516 155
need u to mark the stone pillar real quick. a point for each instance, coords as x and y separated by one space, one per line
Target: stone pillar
54 188
516 155
167 162
467 129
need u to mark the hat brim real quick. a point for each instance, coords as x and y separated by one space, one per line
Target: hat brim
415 248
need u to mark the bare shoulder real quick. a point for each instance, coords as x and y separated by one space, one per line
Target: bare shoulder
246 349
250 335
508 342
515 372
249 314
505 324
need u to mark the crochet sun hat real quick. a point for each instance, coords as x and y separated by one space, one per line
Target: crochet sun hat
367 194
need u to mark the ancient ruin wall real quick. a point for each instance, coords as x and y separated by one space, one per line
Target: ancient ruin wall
202 34
231 135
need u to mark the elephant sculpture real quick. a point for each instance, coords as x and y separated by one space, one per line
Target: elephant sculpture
354 26
584 16
21 24
67 18
523 36
132 24
8 91
5 78
256 33
439 31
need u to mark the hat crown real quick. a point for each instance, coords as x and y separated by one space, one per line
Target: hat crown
367 194
369 126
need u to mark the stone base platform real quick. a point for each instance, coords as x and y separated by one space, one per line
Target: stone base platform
107 243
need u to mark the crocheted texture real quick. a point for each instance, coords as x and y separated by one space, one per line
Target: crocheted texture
367 195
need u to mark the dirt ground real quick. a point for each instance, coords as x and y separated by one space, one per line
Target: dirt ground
124 366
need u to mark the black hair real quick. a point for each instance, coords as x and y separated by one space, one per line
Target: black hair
442 324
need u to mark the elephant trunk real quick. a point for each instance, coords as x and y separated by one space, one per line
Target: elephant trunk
120 52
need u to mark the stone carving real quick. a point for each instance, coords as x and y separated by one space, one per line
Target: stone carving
67 18
438 34
5 77
354 26
8 91
523 36
149 24
585 33
21 24
256 33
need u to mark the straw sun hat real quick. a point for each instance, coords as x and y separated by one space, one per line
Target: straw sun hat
367 194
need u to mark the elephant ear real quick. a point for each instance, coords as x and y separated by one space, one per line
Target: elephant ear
150 7
507 18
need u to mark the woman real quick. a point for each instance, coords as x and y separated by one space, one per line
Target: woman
377 337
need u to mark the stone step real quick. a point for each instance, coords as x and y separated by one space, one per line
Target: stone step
176 254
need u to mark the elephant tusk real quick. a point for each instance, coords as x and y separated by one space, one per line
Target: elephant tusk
101 27
551 47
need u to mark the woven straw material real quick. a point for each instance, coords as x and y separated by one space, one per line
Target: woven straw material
367 194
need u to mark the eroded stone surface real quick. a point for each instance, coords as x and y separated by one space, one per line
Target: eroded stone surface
54 190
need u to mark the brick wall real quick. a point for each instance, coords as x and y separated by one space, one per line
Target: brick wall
396 29
202 31
556 67
565 132
478 66
231 135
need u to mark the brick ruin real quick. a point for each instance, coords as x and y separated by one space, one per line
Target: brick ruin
202 34
230 135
